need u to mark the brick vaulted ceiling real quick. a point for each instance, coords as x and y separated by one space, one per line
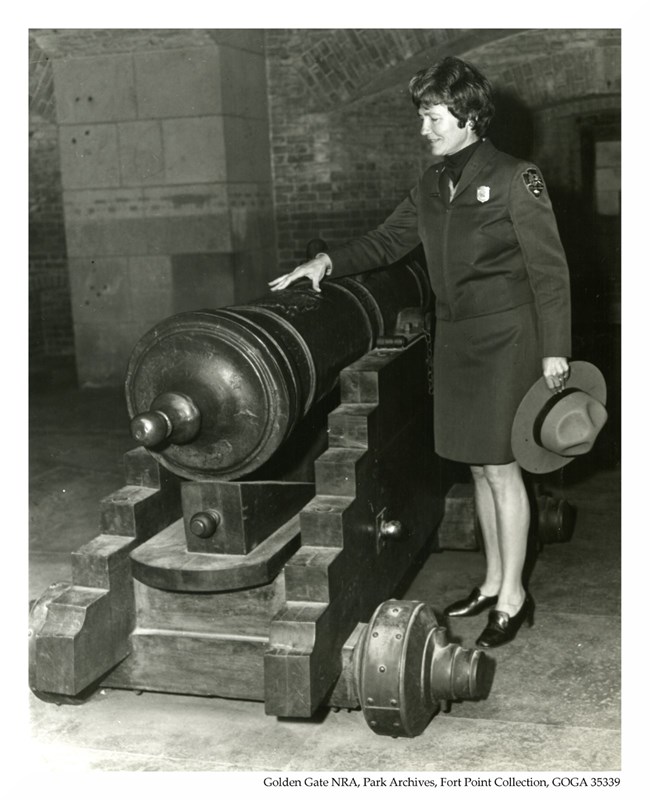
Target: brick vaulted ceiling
541 66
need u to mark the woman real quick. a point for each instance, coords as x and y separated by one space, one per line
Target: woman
501 282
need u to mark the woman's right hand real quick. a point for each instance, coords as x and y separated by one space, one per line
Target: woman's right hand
315 270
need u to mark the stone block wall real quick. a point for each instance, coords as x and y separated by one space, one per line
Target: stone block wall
50 320
166 183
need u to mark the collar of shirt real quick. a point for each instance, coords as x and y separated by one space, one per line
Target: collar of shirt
455 163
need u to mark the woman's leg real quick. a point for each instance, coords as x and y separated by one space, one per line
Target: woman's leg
512 513
486 512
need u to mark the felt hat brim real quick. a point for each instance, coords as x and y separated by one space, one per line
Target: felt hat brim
529 454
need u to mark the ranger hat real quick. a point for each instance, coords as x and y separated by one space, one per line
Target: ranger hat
550 430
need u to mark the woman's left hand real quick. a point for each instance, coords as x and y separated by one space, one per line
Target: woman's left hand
556 372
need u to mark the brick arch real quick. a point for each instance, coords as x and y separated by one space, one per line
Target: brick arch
339 66
548 67
334 68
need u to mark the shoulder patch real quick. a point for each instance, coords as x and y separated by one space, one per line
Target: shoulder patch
533 181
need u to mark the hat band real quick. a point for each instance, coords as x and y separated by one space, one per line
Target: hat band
548 406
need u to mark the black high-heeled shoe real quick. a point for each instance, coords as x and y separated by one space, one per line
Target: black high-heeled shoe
470 606
503 628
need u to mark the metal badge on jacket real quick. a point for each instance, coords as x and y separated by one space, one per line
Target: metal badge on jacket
483 194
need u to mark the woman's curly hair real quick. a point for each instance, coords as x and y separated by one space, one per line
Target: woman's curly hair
458 85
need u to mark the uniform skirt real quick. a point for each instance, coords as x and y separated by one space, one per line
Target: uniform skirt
482 368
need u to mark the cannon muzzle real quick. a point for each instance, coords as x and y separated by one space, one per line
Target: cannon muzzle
172 417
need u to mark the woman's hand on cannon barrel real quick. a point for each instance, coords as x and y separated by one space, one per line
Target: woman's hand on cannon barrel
556 372
315 270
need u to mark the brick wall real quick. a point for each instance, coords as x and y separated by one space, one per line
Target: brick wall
338 167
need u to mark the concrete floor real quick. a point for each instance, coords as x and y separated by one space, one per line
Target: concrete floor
554 704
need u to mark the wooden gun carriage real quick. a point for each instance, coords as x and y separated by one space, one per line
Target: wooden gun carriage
283 488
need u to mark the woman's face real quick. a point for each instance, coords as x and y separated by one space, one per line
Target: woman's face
440 127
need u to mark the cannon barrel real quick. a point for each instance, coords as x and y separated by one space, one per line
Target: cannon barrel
214 393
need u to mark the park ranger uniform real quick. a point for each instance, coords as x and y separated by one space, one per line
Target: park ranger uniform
501 283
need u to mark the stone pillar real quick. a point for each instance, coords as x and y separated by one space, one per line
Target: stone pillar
166 176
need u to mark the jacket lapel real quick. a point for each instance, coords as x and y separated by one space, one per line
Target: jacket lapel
479 158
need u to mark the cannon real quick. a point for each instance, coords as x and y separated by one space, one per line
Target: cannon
282 489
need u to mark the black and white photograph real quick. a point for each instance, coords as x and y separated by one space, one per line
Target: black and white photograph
324 405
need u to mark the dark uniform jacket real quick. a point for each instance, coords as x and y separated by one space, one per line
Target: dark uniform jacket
492 247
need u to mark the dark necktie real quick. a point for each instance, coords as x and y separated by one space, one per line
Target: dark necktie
453 171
